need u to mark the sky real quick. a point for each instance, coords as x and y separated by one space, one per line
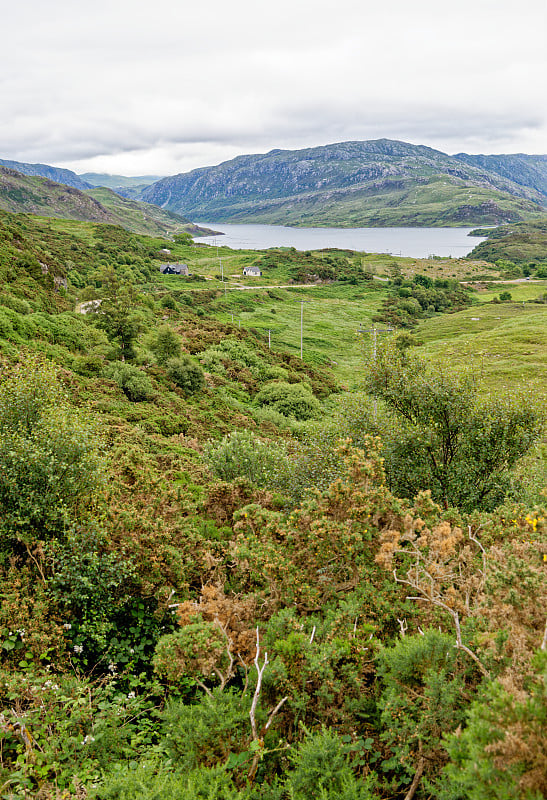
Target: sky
165 86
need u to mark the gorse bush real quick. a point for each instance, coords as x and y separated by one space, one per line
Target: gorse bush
321 771
205 734
148 782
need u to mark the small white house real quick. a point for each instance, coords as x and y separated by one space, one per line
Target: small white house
252 272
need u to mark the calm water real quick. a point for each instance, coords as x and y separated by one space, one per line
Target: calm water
413 242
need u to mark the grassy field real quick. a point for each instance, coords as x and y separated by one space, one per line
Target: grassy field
331 317
505 342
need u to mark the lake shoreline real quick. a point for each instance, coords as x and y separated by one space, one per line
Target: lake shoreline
407 242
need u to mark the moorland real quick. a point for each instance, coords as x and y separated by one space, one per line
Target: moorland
250 548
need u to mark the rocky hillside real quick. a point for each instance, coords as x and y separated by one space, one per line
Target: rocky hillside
525 170
36 195
375 183
56 174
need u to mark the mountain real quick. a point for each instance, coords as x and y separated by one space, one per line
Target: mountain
116 182
56 174
375 183
525 170
36 195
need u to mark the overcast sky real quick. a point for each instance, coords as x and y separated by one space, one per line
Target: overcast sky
164 86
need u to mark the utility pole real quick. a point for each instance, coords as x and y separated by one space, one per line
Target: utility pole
222 275
375 331
302 325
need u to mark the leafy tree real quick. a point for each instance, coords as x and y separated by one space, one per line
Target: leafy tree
135 384
290 399
116 315
166 344
441 437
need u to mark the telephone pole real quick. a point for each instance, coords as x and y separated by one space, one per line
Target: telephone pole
302 325
375 331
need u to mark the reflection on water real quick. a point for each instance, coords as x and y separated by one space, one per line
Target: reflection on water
412 242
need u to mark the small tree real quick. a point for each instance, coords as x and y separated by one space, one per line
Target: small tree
442 437
186 374
116 315
166 344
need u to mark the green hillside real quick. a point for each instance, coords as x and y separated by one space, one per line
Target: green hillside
118 181
142 217
41 196
231 573
522 243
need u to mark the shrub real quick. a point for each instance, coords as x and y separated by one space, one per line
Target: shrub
290 399
205 734
166 344
322 771
186 374
144 782
136 385
48 453
241 454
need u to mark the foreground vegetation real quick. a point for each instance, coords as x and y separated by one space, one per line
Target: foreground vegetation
225 576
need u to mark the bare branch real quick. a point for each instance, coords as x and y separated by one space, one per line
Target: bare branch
273 713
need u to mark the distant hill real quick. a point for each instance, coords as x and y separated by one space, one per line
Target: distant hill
56 174
143 217
116 182
376 183
525 170
36 195
522 243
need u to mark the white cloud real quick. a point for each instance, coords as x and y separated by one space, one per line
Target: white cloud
133 87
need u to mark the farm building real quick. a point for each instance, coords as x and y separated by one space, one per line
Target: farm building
252 272
174 269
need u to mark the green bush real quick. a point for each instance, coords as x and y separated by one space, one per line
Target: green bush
48 452
322 771
241 454
206 734
136 385
290 399
165 344
146 782
186 374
